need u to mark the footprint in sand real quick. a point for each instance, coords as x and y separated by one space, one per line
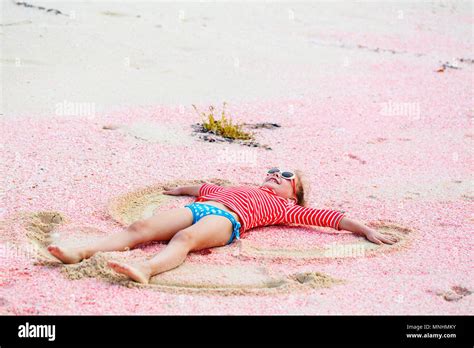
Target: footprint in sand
50 227
37 228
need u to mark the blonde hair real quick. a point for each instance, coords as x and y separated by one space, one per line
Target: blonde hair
302 189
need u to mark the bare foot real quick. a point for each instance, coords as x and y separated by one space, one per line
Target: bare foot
65 255
138 272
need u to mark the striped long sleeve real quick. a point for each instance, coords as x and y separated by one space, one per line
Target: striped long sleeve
207 188
315 217
261 206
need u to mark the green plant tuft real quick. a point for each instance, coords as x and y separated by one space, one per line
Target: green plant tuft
223 126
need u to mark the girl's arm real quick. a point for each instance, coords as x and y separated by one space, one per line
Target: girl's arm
183 190
198 190
334 219
369 233
314 217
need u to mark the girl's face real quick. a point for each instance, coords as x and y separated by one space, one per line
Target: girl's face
282 187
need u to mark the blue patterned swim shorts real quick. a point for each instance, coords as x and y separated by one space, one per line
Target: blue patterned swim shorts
200 210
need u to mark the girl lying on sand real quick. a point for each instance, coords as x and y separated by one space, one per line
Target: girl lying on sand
226 213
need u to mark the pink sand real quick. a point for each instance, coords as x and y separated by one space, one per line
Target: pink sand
417 173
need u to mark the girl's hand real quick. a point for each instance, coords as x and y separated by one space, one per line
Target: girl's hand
379 238
173 192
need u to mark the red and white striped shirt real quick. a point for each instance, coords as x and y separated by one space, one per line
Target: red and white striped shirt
261 206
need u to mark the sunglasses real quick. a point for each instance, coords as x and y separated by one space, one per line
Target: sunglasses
285 174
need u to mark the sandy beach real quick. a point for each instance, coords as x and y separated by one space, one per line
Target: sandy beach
374 102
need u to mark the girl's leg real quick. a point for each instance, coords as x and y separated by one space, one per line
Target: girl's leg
210 231
162 226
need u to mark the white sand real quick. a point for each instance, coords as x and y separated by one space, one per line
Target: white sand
105 54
